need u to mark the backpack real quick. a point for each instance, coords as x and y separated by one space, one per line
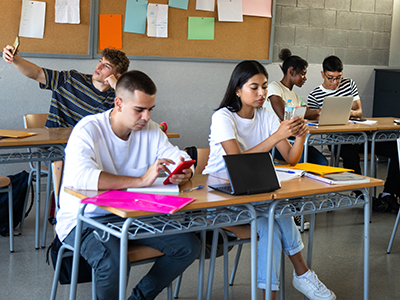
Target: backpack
85 271
19 189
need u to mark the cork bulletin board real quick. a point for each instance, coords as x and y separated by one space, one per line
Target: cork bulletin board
250 39
63 39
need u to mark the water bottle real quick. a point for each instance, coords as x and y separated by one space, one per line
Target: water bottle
288 110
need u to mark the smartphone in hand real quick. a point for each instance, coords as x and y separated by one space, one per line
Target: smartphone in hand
178 170
16 45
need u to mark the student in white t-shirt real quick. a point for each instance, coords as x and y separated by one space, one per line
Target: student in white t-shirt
242 125
294 70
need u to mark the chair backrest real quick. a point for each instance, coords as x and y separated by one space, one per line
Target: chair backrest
202 159
35 120
57 169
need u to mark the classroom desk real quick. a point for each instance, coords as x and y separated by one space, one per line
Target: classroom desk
314 197
338 135
15 150
386 130
44 138
196 216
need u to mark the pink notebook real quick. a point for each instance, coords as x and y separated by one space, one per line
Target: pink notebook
140 201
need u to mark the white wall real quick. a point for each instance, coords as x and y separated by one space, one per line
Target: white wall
188 92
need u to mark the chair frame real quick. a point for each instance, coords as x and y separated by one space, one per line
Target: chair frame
8 189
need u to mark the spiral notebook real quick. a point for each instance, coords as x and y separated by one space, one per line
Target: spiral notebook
140 201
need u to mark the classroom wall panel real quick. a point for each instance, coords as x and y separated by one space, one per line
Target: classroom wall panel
250 39
69 39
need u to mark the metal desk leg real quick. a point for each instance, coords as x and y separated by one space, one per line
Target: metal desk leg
201 265
47 207
366 243
76 256
310 242
123 258
11 217
212 263
271 219
37 220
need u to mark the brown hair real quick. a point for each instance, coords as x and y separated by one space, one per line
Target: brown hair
117 58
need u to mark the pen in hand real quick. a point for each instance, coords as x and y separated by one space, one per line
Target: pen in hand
193 188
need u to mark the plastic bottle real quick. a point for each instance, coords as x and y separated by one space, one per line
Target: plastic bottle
288 110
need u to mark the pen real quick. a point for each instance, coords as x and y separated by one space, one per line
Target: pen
290 172
193 188
309 124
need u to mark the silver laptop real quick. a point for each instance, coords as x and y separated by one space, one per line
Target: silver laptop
249 173
335 111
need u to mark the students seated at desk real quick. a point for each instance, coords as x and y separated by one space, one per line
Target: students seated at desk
117 149
241 125
74 94
294 70
335 85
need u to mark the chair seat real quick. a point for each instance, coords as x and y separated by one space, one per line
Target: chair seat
141 252
4 181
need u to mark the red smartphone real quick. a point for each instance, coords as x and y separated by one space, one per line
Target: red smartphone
178 170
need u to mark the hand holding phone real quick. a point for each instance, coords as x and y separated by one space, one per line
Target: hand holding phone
186 164
299 111
16 45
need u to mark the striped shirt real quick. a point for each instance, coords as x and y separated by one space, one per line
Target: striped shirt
346 88
74 97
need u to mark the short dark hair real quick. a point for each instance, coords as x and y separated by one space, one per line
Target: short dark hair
117 58
332 64
296 62
240 75
135 80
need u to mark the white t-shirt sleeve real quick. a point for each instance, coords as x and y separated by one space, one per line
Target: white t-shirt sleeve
223 127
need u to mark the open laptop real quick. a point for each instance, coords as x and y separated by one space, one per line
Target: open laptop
335 111
249 173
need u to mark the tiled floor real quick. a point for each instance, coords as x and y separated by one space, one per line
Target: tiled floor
337 259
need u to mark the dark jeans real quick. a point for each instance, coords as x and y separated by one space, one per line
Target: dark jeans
351 160
314 156
179 250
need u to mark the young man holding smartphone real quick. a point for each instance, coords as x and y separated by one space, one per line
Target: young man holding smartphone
74 94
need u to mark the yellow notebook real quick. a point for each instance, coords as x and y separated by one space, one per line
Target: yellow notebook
317 169
15 133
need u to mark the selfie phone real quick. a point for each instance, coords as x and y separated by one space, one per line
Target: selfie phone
178 170
299 111
16 45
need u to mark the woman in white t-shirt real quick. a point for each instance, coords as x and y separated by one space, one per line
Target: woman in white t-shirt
242 125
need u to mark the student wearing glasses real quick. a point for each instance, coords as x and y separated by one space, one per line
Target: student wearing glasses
334 84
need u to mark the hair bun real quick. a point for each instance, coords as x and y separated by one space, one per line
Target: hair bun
284 54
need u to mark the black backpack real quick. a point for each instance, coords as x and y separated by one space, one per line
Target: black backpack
19 189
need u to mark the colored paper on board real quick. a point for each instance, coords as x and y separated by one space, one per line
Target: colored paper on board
182 4
207 5
257 8
110 31
200 28
135 16
230 11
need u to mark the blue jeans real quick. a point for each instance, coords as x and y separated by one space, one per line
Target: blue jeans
179 250
314 156
286 238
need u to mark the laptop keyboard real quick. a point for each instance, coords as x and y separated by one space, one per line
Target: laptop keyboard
226 188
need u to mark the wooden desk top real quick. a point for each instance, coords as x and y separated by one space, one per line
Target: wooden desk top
44 136
48 136
208 198
385 123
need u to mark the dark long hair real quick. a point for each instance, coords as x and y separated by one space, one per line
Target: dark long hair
296 62
240 75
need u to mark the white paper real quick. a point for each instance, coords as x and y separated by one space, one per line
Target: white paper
32 19
67 11
208 5
367 122
230 11
157 20
157 187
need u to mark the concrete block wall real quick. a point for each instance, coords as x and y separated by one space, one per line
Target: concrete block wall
358 31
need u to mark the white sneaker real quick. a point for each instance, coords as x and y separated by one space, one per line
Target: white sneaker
312 287
297 221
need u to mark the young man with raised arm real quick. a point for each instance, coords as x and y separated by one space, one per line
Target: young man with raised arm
334 84
74 94
117 149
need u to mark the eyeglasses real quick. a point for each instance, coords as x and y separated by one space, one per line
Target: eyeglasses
333 79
